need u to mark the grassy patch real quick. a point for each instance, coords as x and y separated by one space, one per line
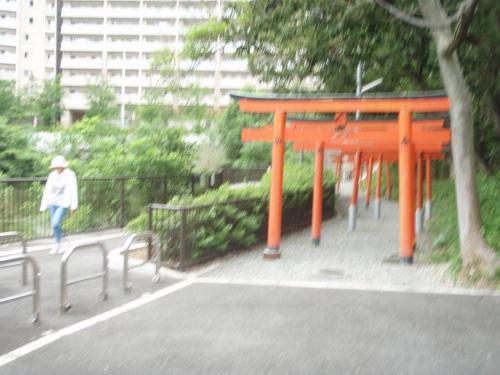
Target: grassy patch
444 225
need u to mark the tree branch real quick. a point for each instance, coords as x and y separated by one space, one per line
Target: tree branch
465 11
417 21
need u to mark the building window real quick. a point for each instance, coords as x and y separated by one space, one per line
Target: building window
25 55
26 73
31 3
31 20
26 37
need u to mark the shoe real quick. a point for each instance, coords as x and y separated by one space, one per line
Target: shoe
55 249
62 249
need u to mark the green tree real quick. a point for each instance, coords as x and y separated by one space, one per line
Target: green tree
227 133
289 41
15 106
17 158
96 147
48 103
102 101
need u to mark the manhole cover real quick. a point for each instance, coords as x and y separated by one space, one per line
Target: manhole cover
331 272
392 259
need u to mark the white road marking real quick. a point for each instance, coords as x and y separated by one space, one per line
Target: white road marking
51 337
347 286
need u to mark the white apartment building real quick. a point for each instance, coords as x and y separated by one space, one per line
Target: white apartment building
114 40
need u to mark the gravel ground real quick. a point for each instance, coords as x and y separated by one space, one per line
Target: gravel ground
361 257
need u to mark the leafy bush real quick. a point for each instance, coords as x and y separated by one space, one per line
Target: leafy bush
230 217
17 158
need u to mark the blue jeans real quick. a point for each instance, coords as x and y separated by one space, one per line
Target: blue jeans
56 217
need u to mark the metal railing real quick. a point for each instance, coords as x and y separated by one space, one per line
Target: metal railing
193 234
12 260
105 202
7 237
235 175
152 240
64 304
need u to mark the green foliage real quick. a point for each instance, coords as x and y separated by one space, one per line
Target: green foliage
15 107
17 158
444 225
227 132
98 148
102 101
48 102
216 226
200 41
287 42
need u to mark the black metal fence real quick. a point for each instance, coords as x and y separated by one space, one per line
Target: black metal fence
193 234
234 175
104 202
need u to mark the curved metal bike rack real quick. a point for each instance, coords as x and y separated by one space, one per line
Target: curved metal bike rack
11 260
127 249
65 305
17 237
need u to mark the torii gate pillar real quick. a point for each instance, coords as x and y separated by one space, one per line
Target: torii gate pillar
406 189
378 189
419 214
317 211
428 190
276 195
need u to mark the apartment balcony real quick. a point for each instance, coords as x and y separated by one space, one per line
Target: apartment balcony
133 13
128 81
127 64
81 46
121 46
234 83
7 74
75 101
9 41
80 80
204 66
9 6
157 45
234 65
159 30
195 13
8 59
82 29
129 98
81 12
121 29
81 63
8 23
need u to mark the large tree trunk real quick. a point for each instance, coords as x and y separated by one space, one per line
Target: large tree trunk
472 245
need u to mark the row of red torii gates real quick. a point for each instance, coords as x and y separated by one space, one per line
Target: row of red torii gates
405 140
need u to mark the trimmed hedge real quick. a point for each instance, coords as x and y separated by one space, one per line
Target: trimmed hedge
231 218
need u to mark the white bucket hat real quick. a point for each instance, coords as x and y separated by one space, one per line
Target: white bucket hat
58 162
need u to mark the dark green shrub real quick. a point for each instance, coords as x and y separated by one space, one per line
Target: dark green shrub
232 218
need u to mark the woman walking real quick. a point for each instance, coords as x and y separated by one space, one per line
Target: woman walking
60 194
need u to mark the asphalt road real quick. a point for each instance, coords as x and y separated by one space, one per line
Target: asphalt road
206 328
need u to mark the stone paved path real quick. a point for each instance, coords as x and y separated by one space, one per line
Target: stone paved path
361 257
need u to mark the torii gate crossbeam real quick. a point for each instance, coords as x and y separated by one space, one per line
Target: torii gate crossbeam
404 106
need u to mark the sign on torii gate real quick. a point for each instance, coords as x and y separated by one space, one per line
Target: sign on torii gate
375 137
403 105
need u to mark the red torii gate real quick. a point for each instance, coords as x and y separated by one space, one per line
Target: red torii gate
403 142
378 134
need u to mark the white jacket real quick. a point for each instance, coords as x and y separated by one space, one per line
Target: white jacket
60 190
